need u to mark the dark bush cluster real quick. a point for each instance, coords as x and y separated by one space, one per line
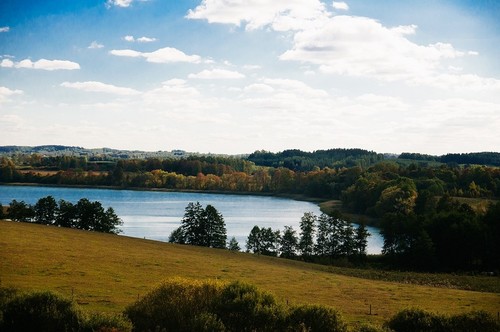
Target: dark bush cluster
48 312
182 305
416 320
210 306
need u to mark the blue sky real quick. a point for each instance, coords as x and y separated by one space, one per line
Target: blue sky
237 76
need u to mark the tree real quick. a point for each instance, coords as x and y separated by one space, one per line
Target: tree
254 243
329 239
192 224
202 227
177 236
270 241
288 243
360 239
215 234
92 216
234 245
66 216
46 210
20 211
307 230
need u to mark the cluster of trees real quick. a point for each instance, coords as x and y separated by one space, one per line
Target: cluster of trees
201 227
298 160
320 237
477 158
84 214
452 237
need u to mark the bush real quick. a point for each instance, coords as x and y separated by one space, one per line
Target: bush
476 321
41 311
46 311
98 322
416 320
172 305
181 305
316 318
242 307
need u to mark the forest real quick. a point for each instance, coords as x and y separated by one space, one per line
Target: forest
433 215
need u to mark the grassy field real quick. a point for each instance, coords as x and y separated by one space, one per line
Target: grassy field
107 272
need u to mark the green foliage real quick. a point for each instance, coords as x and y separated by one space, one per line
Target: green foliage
234 245
307 230
288 243
99 322
316 318
416 320
182 305
47 311
263 241
85 214
201 227
42 311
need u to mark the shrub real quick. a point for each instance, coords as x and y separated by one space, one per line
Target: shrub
181 305
316 318
172 305
98 322
242 307
417 320
476 321
40 311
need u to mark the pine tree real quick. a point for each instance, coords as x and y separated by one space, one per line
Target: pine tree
288 243
307 230
234 245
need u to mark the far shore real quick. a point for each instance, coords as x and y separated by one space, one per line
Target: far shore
326 206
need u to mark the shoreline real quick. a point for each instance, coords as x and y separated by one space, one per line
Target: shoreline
296 197
325 205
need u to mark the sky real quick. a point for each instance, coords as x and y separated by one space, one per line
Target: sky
236 76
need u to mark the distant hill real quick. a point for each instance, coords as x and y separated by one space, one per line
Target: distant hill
475 158
306 161
75 151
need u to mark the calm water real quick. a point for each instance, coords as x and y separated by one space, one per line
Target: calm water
154 215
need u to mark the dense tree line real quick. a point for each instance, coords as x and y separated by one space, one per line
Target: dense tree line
475 158
84 214
323 237
298 160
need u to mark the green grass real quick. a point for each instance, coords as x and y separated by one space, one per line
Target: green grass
105 272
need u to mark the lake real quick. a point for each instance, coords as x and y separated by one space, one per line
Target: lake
155 214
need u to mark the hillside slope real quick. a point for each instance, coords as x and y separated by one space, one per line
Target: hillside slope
107 272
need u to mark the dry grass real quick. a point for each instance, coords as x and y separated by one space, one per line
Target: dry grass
107 272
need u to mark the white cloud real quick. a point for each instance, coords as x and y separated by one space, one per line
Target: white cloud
215 74
461 82
4 29
5 93
361 46
92 86
7 63
162 55
95 45
258 88
252 67
42 64
340 5
145 39
255 14
119 3
139 40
